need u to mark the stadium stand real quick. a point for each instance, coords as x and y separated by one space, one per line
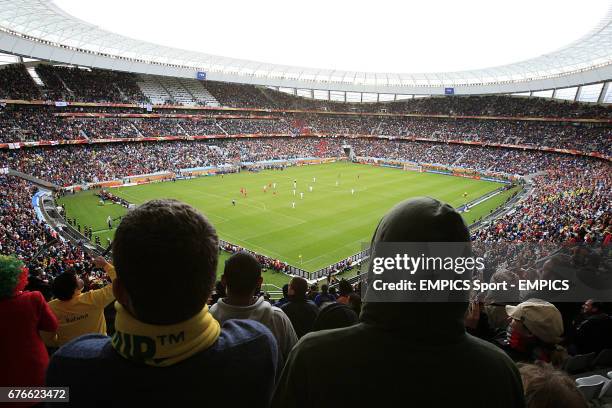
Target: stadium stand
568 201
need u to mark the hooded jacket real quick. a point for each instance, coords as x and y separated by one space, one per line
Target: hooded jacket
413 354
262 311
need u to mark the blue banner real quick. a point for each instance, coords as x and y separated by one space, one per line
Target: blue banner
201 76
449 91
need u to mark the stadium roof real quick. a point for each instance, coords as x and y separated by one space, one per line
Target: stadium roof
39 29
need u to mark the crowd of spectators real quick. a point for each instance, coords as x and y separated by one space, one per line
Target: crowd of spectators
33 242
28 123
85 85
63 83
16 83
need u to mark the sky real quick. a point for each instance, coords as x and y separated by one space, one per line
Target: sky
398 36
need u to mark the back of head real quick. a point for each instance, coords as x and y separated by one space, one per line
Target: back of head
64 285
424 220
165 253
344 287
298 288
335 316
546 387
241 274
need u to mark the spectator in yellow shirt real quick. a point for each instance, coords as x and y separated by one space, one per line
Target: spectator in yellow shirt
78 313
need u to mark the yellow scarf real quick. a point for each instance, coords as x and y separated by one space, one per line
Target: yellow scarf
162 346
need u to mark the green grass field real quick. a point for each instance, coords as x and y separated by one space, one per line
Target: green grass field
327 225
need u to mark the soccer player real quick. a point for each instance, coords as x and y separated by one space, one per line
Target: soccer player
314 179
352 191
294 183
294 191
465 195
301 196
310 188
274 185
234 203
109 221
293 204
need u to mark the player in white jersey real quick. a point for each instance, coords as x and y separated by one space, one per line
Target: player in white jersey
301 196
293 204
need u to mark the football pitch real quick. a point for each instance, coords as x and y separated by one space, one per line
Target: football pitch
337 206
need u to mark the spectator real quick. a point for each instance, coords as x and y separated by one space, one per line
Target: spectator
301 311
165 254
355 303
78 313
344 291
418 351
496 300
334 316
324 297
546 387
22 314
218 293
242 280
534 333
280 302
594 332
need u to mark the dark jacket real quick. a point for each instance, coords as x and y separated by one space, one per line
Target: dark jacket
403 354
238 370
302 314
594 334
428 360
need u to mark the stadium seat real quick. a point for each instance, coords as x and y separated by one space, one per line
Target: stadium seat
591 386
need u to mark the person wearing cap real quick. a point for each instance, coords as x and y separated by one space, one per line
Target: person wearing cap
534 332
418 353
78 313
242 280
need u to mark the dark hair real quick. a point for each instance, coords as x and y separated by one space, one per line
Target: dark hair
242 271
324 289
165 254
300 286
344 287
285 290
64 285
335 316
546 387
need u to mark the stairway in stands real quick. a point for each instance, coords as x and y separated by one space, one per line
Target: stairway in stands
153 90
182 91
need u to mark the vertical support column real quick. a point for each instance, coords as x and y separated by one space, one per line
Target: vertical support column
578 92
603 93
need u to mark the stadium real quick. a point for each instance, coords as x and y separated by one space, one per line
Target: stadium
168 215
